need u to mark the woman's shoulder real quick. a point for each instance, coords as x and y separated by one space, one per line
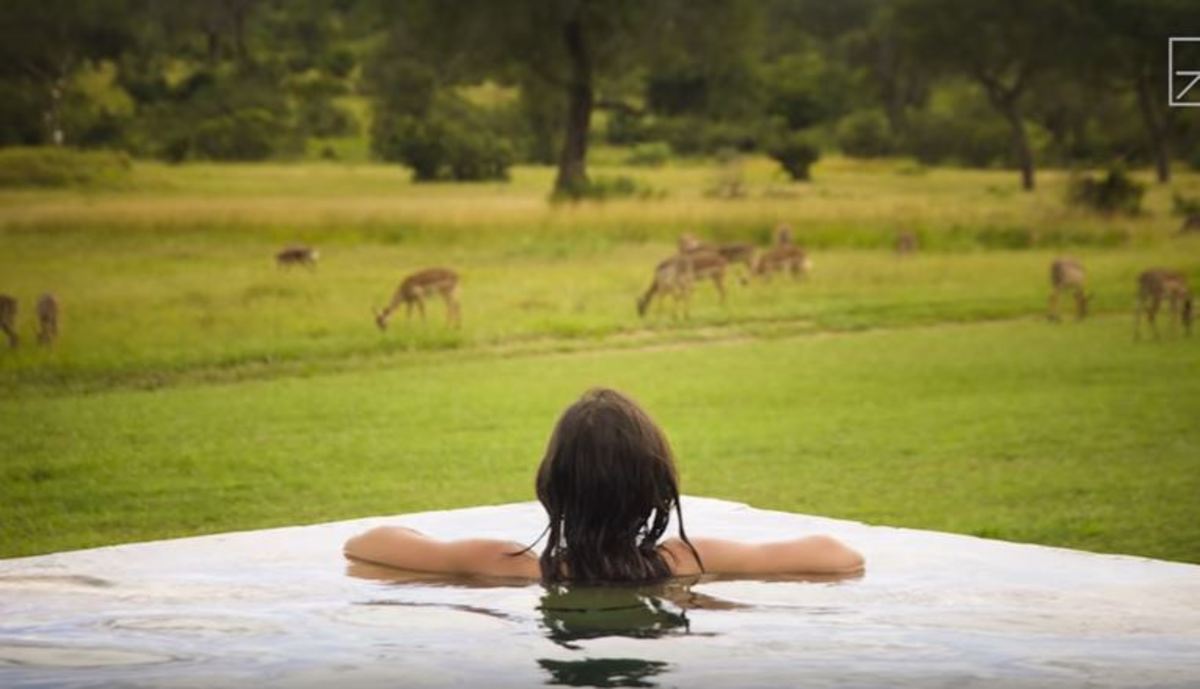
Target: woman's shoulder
680 557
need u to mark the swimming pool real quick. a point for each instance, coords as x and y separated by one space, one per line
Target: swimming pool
281 608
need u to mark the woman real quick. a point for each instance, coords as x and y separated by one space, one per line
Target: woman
608 484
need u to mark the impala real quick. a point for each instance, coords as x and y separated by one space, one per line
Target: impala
675 276
297 255
47 313
732 252
8 318
1068 275
415 288
783 257
1155 286
906 243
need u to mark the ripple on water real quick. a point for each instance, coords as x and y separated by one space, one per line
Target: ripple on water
55 581
34 655
194 625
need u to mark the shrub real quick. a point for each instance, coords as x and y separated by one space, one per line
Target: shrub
1117 192
439 148
1185 205
454 140
605 188
249 134
865 134
61 167
693 135
623 128
650 154
796 153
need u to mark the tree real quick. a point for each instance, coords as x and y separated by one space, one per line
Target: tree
564 50
1002 47
1131 50
44 42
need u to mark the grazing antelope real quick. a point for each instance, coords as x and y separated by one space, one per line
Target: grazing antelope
732 252
47 313
297 255
8 318
906 243
1067 274
783 257
670 279
1190 224
1156 285
416 287
676 275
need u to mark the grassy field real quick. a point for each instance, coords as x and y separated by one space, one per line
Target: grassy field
197 388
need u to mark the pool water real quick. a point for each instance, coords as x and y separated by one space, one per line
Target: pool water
282 608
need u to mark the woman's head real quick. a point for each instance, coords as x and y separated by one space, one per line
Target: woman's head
608 484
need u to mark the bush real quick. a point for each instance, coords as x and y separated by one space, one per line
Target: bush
1186 206
61 167
624 128
865 134
650 154
694 136
607 188
442 148
249 134
958 126
796 153
1115 193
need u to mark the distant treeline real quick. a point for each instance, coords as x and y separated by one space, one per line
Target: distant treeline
463 89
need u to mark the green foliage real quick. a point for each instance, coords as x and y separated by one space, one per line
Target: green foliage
229 113
805 89
649 154
865 134
454 141
609 188
696 136
1116 192
61 167
795 152
317 114
958 127
248 134
20 115
1185 205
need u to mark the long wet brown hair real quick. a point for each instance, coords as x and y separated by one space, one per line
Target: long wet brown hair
608 484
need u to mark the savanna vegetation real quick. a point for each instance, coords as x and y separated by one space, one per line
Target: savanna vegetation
158 156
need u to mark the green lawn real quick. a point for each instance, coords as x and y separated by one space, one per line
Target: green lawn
197 388
1070 435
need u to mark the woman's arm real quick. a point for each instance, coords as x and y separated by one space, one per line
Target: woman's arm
404 548
809 555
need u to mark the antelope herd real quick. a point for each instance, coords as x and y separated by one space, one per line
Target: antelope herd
695 261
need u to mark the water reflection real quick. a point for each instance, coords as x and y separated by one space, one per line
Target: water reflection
603 672
571 614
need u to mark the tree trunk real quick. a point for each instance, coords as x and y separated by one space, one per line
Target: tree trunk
1020 141
1156 130
56 93
572 162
